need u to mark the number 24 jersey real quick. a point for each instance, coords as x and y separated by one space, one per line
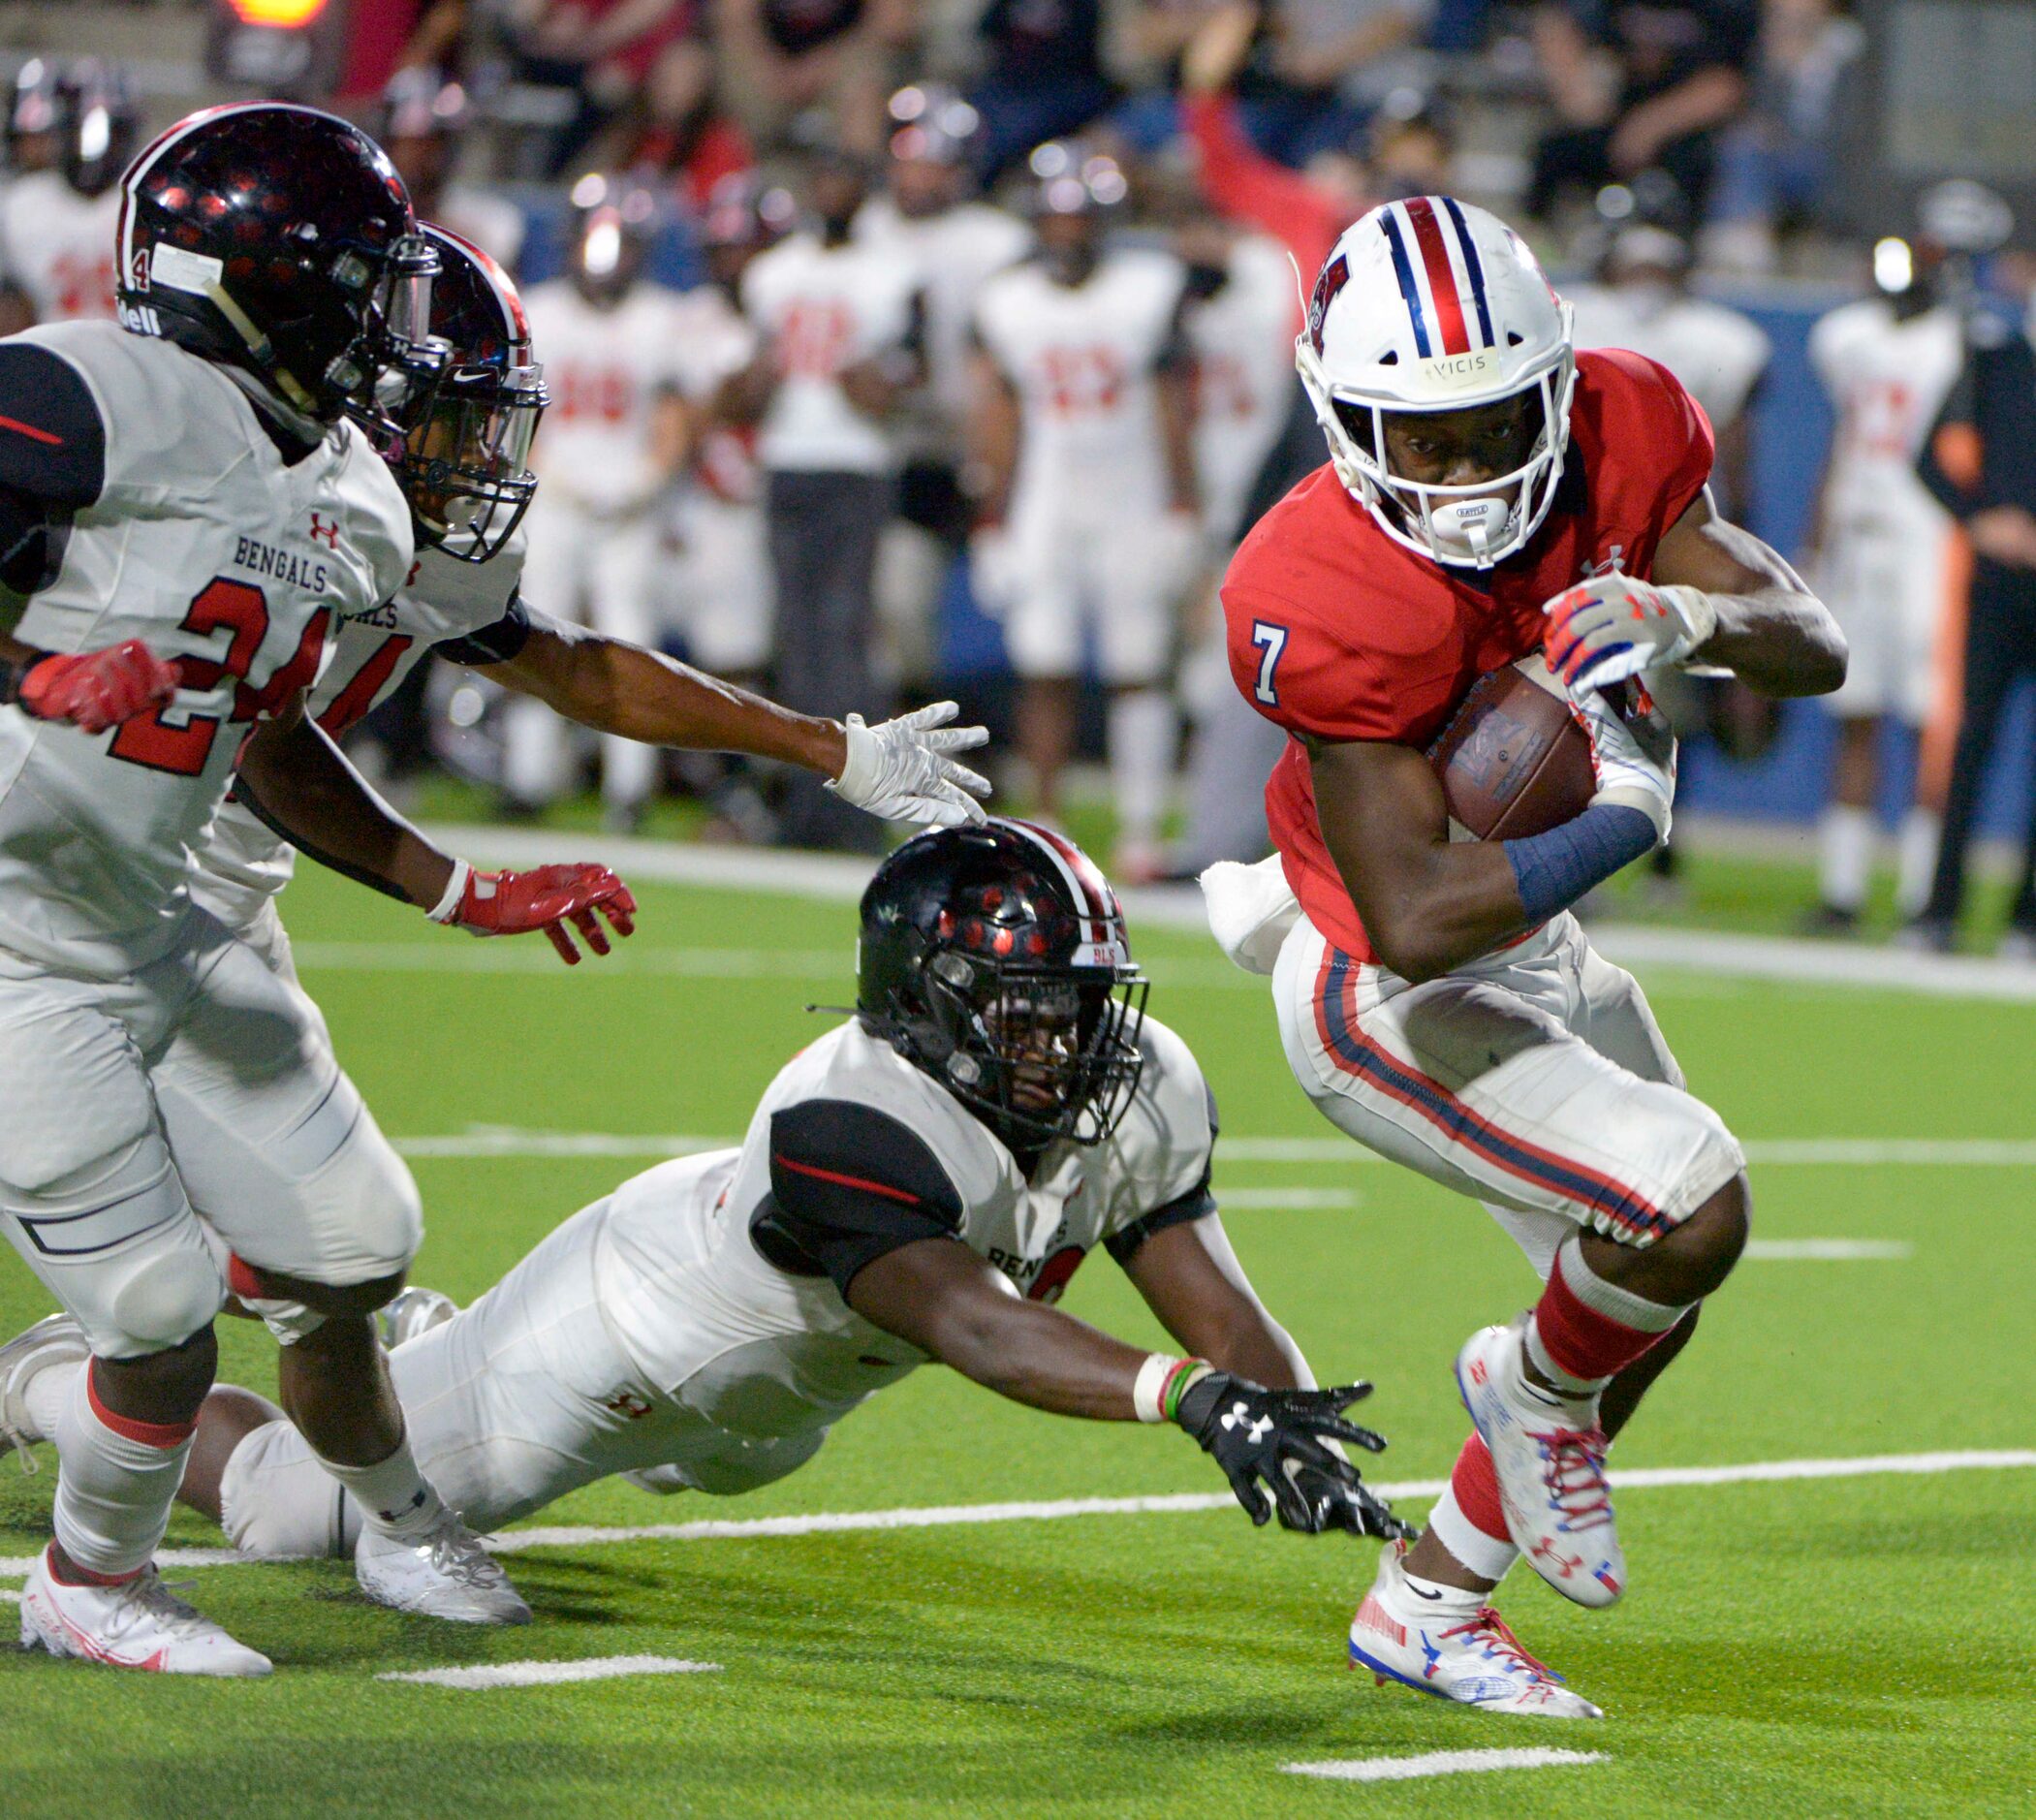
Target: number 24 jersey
190 531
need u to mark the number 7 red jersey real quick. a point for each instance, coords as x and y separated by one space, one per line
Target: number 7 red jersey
1338 632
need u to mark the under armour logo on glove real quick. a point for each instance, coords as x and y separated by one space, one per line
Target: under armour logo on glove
1283 1442
1256 1428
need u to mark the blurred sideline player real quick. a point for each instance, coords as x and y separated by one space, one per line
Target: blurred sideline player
1238 323
612 450
190 509
1085 419
927 216
840 344
1884 558
422 124
917 1184
57 225
1490 495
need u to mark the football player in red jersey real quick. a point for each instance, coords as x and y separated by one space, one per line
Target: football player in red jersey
1489 495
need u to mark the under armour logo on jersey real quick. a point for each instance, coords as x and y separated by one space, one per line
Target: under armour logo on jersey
1256 1428
330 531
1613 563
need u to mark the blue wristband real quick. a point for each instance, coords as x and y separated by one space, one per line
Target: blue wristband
1556 869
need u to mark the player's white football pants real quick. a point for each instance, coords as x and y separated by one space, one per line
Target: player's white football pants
145 1121
1535 1081
511 1404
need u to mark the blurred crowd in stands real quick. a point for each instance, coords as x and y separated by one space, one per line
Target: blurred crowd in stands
882 333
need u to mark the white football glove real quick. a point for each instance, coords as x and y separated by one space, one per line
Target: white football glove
1615 626
898 769
1632 752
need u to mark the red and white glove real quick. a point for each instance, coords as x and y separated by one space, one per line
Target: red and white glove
95 690
1615 626
547 898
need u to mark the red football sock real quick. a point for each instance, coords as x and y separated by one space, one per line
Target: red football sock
1477 1489
1585 1331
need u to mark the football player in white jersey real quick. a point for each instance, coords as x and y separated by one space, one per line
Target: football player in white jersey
1084 427
928 218
612 452
56 226
1884 558
917 1184
189 510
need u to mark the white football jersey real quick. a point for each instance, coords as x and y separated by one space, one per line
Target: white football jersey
56 247
204 544
787 1354
1082 360
604 369
1887 380
1242 339
716 340
822 309
1717 352
954 253
243 863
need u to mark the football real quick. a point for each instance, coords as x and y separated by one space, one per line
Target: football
1513 761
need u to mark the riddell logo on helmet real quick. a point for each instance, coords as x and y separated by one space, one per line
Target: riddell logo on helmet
1462 369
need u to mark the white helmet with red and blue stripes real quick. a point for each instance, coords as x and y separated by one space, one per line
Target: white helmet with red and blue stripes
1428 305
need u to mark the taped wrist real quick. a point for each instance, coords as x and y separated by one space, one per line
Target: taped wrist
1554 869
1156 1391
448 905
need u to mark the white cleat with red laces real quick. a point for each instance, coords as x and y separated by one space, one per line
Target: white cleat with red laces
1469 1657
138 1624
1549 1455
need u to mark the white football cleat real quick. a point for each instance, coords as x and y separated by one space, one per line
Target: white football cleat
412 1312
1548 1454
138 1624
1476 1661
55 1340
443 1573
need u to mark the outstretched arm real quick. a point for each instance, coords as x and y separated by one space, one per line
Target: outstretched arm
1191 1280
299 783
899 769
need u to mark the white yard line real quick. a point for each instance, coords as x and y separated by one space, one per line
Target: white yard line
1770 1153
948 1516
599 1668
1827 1250
837 880
1439 1763
1298 1200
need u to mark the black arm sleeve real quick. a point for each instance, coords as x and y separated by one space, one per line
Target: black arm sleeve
848 1183
52 442
497 644
1197 1203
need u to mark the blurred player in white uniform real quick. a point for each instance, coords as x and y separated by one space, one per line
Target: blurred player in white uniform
1239 323
927 216
423 125
1085 424
840 332
197 514
1884 558
57 225
612 447
719 599
917 1184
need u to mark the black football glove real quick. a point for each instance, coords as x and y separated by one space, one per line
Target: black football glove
1278 1441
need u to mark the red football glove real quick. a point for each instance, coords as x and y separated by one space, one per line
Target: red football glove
547 898
97 689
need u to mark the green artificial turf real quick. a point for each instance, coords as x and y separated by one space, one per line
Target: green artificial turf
1858 1647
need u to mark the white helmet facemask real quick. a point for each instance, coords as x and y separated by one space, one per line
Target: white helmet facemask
1431 305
